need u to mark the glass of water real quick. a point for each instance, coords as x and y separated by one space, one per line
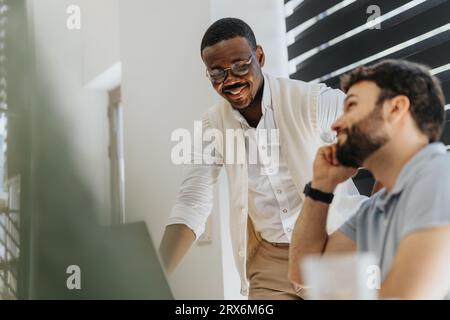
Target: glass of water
341 277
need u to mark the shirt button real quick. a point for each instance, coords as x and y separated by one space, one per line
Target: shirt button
284 210
241 253
279 191
289 230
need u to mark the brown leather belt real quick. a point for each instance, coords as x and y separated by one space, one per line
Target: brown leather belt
277 244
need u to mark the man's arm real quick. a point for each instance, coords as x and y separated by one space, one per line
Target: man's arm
420 269
176 241
339 242
421 266
310 237
310 234
330 106
194 203
189 215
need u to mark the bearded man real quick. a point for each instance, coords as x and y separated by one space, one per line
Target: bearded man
393 116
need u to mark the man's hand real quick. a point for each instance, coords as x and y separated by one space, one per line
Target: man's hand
327 171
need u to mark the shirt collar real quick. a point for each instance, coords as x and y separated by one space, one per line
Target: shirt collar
266 102
267 95
409 171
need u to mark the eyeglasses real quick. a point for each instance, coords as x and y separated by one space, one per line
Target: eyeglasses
238 69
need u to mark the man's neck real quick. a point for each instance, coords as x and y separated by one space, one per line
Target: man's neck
253 112
387 163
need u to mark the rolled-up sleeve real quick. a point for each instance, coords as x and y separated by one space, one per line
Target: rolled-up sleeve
195 197
330 106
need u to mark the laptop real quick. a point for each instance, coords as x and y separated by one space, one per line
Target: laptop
125 265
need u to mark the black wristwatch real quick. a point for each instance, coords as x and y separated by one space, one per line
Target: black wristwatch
317 194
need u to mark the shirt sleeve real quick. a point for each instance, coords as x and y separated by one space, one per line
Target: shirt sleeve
346 202
350 226
195 197
330 106
428 203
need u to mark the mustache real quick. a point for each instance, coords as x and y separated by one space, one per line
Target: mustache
344 130
234 86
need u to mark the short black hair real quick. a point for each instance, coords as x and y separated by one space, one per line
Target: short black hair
414 80
225 29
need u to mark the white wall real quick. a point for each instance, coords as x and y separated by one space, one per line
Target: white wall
164 88
82 112
101 43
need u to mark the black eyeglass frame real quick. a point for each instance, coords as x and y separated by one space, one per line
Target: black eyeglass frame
234 66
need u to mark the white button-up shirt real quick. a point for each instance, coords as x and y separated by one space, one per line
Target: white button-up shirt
273 199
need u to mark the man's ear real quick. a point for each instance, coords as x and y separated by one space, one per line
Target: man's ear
398 108
260 55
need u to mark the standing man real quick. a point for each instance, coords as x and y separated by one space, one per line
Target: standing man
264 200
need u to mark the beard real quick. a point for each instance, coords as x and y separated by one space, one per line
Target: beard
363 139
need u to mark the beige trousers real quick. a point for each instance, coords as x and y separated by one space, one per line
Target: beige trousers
267 273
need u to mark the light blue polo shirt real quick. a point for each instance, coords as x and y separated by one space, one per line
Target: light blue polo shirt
420 199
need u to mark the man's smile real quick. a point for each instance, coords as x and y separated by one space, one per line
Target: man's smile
235 90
